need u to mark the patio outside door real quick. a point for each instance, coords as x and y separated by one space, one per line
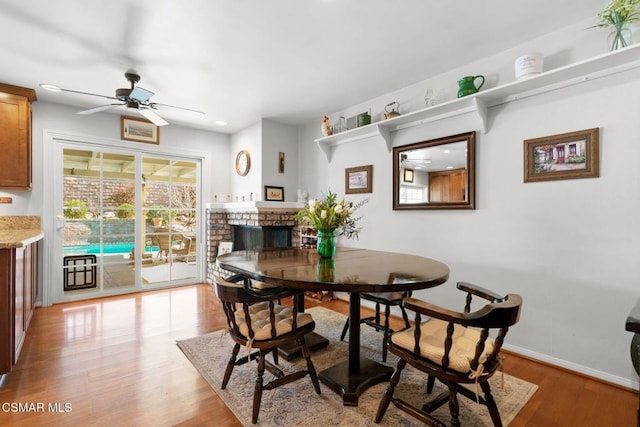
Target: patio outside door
129 221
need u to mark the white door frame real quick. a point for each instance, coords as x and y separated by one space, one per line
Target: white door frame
52 268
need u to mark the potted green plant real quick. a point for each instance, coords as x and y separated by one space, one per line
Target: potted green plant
154 214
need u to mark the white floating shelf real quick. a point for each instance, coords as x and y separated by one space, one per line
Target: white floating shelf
580 72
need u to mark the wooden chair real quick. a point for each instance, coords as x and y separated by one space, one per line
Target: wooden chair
258 321
455 348
388 300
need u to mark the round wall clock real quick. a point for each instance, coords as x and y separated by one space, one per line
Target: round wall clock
243 163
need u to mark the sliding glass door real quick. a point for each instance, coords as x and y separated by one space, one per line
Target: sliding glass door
127 221
170 199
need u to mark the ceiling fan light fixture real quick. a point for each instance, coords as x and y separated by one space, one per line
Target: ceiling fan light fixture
140 94
52 88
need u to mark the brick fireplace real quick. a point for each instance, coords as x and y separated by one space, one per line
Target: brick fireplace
250 225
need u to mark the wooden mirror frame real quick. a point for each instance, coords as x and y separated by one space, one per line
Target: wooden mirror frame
470 182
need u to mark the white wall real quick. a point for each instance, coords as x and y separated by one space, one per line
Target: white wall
568 247
264 141
276 138
249 139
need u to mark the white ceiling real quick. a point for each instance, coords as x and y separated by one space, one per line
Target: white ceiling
291 61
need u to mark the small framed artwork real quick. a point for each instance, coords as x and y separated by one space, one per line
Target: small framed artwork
358 180
273 194
565 156
225 248
408 175
139 130
281 162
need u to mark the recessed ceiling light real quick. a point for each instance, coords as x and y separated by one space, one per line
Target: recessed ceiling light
53 88
449 167
221 123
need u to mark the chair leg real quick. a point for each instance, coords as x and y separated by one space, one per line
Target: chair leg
257 394
388 394
344 330
491 404
431 380
230 365
274 353
405 317
312 370
454 407
387 331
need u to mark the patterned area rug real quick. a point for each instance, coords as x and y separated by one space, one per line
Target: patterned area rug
297 404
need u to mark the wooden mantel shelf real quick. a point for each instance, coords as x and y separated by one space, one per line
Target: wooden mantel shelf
477 104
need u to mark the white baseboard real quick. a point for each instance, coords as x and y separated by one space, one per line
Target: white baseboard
624 382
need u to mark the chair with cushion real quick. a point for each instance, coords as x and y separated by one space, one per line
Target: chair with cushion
257 320
454 347
388 300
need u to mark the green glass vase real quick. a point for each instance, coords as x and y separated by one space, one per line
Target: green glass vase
326 242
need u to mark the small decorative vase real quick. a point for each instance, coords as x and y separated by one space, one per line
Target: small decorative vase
620 37
467 85
326 242
325 272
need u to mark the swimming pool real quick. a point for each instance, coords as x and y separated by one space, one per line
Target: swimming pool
107 248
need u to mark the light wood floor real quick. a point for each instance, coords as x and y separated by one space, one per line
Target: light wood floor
114 362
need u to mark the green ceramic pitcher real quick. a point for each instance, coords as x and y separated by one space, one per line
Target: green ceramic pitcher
467 86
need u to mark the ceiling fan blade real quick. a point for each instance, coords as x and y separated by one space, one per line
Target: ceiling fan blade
59 89
153 117
98 109
154 104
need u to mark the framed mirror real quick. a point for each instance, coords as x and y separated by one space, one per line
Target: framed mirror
435 174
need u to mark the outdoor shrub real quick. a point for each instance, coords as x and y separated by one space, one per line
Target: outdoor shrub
75 209
125 210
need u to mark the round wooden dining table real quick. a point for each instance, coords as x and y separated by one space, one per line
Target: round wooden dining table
351 270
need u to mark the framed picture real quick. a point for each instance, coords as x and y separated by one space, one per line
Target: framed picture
358 180
273 194
564 156
408 175
281 162
139 130
225 248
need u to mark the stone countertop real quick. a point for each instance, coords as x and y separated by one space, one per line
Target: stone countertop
19 231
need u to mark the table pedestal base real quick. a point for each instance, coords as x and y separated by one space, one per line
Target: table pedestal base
350 385
314 342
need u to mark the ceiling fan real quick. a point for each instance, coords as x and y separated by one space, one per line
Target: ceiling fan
134 97
404 158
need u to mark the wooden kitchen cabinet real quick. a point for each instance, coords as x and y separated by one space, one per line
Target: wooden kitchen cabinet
447 186
15 137
18 291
